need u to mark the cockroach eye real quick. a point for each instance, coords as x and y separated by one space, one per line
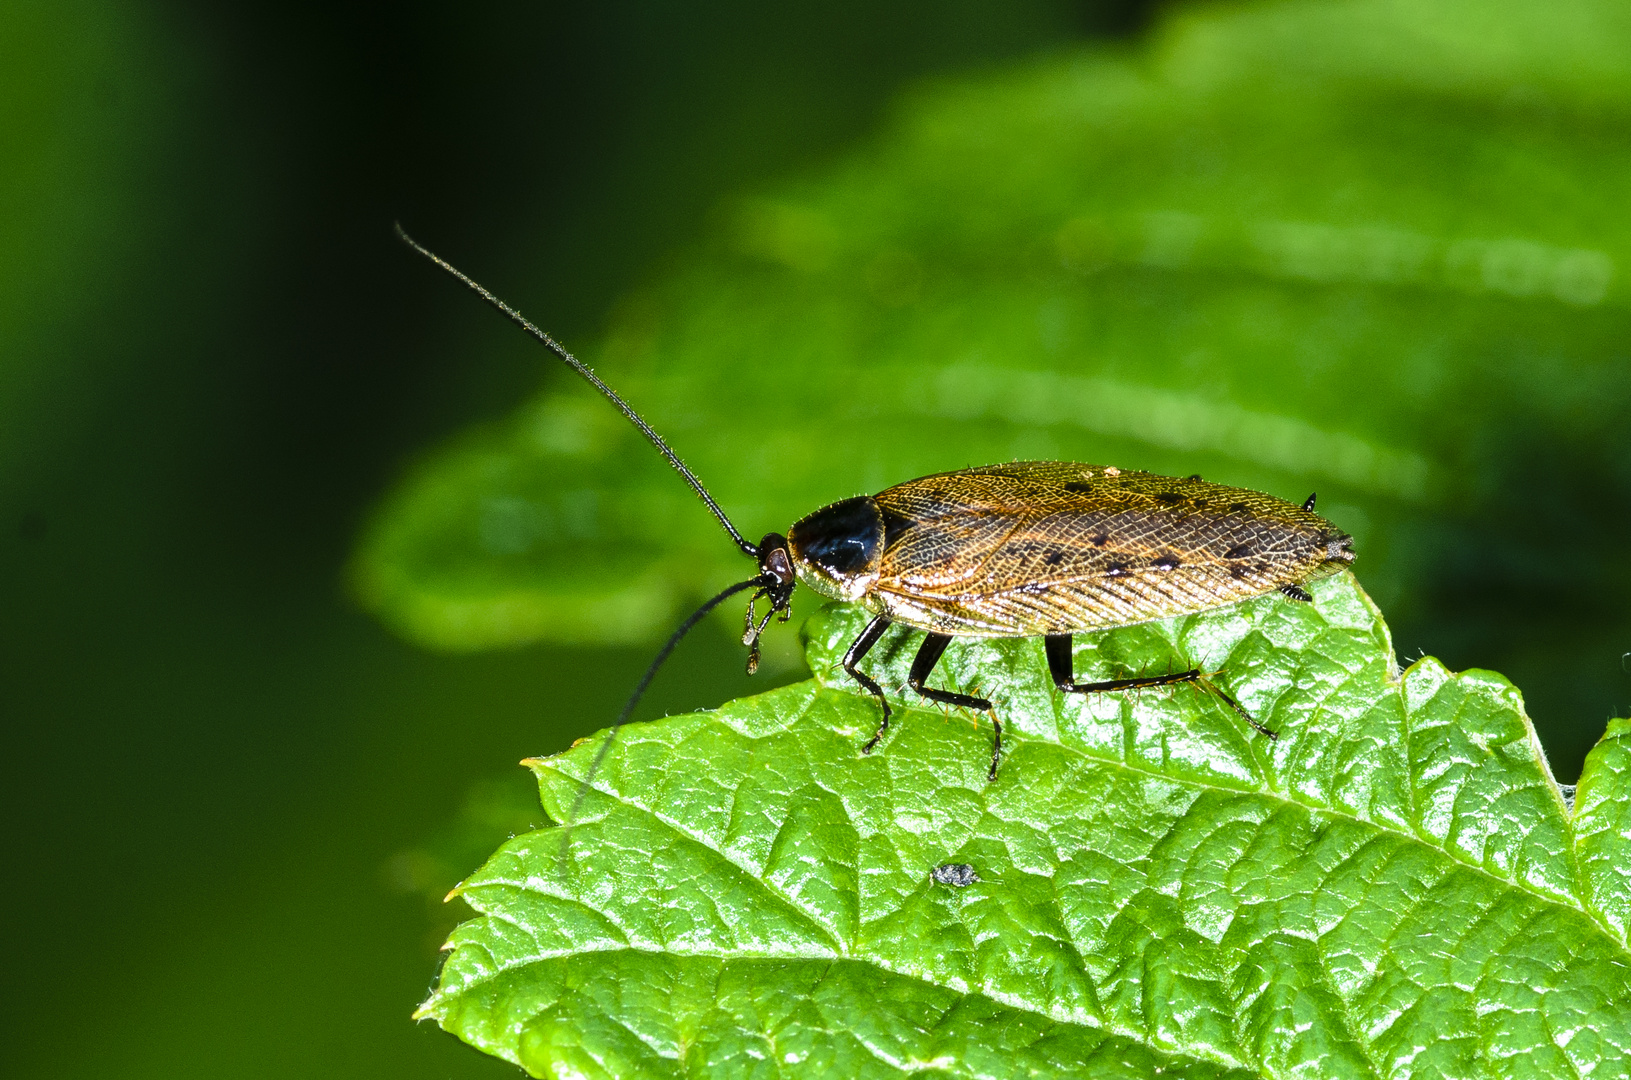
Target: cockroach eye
776 561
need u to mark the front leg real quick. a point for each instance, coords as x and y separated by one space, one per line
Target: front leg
928 655
857 649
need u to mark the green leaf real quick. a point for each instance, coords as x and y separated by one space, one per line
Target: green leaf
1376 249
1394 887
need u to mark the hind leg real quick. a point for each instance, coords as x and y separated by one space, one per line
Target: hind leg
1062 665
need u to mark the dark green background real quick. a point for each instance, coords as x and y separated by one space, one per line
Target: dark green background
214 358
228 793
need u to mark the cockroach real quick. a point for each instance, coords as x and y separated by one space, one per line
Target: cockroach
1043 549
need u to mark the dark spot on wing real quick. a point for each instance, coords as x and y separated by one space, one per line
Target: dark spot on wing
1237 572
1078 485
1168 497
1099 539
1054 558
1116 570
1239 508
1239 551
1166 562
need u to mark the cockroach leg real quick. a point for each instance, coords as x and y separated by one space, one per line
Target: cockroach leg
928 655
750 635
996 745
1061 665
751 638
1237 707
858 649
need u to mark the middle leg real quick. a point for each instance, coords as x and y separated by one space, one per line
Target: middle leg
928 655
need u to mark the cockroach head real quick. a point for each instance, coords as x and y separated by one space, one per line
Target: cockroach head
776 571
775 583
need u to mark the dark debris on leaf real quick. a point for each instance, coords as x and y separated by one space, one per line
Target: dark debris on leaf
961 875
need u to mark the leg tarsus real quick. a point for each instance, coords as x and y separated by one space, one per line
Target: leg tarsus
1229 700
996 747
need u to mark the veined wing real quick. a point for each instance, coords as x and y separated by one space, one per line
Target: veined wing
1056 547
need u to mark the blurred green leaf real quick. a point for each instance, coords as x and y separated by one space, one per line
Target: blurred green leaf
1376 249
1394 887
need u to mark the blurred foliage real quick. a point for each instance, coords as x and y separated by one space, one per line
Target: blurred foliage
81 132
1394 886
212 359
493 810
1375 249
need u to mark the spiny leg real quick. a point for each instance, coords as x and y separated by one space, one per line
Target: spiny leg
928 655
858 649
1062 666
1236 706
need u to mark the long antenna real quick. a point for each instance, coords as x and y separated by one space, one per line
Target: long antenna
640 690
583 369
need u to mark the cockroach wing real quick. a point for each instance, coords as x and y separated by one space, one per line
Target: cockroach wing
1044 547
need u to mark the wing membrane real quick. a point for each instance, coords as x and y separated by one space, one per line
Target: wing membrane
1057 547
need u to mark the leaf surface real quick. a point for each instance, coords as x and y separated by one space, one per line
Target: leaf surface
1394 887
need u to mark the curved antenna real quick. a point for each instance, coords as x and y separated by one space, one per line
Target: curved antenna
640 690
583 369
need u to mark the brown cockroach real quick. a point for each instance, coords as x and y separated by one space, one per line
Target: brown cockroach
1029 549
